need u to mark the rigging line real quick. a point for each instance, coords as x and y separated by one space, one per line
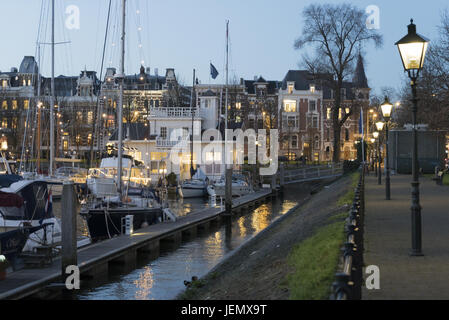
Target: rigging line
99 87
27 123
96 36
139 33
147 3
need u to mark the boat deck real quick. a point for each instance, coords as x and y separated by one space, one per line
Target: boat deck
26 282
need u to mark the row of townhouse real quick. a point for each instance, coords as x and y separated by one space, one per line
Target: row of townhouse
155 106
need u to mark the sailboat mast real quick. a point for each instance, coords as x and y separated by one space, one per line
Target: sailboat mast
52 97
120 104
228 166
191 134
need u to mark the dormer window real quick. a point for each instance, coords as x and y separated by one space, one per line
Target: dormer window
312 88
290 88
4 83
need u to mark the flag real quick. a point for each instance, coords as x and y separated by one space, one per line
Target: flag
213 71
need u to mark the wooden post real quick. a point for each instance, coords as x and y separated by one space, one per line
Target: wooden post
68 227
228 191
282 176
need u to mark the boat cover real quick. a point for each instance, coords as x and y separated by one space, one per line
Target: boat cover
10 200
8 179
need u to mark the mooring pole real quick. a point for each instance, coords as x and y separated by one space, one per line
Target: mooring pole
68 227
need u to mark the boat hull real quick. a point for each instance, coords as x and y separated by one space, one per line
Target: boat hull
192 192
237 191
107 223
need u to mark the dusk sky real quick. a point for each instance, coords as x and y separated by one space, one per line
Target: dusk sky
189 34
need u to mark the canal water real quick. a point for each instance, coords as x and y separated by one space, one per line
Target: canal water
163 278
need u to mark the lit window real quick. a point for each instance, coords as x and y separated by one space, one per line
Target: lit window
238 105
339 113
4 83
328 114
29 82
65 145
4 105
90 117
26 104
289 105
14 104
312 88
290 88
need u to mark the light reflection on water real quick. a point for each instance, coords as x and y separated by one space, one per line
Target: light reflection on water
162 279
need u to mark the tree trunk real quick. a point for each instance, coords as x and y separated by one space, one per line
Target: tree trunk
336 121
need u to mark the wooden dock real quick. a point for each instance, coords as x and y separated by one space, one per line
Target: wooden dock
94 260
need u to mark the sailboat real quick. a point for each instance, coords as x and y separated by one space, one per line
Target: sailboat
196 186
230 184
105 218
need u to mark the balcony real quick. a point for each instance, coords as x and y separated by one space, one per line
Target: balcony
170 113
164 143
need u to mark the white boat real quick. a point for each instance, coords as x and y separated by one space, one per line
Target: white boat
240 187
35 211
102 181
195 187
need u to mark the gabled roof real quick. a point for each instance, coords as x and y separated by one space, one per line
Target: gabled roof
272 86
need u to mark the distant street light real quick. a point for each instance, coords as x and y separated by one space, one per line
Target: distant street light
380 127
387 107
412 49
376 146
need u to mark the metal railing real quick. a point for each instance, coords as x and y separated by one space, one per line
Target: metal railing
348 282
315 172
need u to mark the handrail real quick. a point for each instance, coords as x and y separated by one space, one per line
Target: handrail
348 282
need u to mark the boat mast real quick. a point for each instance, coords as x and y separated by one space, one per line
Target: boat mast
121 77
52 97
228 167
191 134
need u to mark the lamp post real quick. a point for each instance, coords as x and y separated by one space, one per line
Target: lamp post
376 146
387 107
412 49
380 127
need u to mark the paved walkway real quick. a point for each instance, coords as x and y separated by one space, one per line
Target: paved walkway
388 240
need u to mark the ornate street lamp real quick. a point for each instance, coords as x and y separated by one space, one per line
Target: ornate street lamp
387 107
376 158
412 49
380 127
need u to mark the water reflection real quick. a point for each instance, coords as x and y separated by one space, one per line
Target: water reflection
163 278
144 283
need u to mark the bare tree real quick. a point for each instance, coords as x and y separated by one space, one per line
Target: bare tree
336 33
